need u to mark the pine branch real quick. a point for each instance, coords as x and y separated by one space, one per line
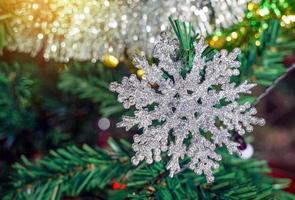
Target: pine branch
275 83
23 110
263 63
16 114
65 172
73 171
186 36
91 82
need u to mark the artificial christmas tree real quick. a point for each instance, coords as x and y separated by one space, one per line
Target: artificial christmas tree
53 105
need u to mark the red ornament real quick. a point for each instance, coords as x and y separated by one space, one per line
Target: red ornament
118 186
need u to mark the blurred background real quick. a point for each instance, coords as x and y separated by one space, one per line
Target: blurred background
58 58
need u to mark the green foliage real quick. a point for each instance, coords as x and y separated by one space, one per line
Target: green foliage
16 86
66 171
26 106
91 81
36 116
263 63
74 171
186 37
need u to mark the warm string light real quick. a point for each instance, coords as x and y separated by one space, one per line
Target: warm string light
255 23
287 20
91 29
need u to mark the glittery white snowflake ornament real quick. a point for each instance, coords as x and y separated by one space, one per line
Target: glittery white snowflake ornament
188 116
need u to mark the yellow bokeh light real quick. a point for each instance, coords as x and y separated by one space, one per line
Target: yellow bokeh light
257 43
234 35
215 38
251 6
228 38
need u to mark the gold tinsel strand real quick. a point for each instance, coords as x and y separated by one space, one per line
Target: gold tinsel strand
66 29
89 29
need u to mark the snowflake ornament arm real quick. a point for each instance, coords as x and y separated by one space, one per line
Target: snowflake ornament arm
188 116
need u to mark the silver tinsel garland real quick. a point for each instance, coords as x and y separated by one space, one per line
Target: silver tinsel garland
88 29
147 19
185 107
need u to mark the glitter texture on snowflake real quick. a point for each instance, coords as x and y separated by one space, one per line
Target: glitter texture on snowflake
187 116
